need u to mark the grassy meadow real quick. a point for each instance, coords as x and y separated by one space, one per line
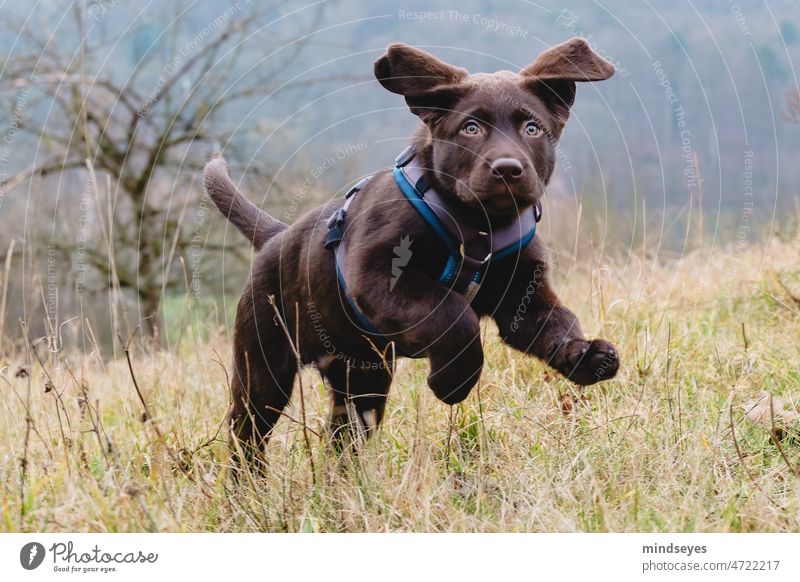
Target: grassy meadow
665 446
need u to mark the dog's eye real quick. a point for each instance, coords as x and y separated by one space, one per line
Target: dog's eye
471 127
532 129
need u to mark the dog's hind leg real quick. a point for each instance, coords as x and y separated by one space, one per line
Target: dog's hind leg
359 391
264 372
258 399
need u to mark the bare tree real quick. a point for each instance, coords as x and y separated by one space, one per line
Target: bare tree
135 135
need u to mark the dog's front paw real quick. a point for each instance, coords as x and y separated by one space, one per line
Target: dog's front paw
590 362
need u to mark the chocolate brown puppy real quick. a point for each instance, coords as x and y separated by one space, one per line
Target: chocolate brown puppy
373 277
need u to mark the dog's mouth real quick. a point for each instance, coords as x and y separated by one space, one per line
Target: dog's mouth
505 204
500 201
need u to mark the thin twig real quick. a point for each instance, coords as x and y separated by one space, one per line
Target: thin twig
94 418
294 420
296 353
449 436
147 414
4 295
28 426
666 377
771 296
773 435
739 451
58 399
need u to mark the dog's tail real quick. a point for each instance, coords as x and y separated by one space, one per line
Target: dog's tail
252 222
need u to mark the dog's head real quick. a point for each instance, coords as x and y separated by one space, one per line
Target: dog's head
493 135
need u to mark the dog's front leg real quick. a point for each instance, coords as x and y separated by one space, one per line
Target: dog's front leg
425 319
532 319
456 356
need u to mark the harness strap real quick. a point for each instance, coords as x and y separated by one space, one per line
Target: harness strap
333 241
336 220
470 249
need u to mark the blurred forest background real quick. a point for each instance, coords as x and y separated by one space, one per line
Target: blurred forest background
110 110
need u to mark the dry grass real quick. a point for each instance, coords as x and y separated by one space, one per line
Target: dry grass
651 450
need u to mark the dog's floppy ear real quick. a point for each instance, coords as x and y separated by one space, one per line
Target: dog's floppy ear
554 73
428 84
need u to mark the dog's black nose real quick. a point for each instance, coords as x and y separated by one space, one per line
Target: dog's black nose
506 169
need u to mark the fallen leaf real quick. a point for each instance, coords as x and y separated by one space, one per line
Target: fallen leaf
767 407
568 402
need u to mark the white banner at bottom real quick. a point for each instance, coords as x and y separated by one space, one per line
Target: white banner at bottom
386 557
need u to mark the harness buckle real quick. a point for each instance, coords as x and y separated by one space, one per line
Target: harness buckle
483 261
463 254
336 219
357 186
405 156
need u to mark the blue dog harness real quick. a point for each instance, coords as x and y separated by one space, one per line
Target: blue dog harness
470 250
